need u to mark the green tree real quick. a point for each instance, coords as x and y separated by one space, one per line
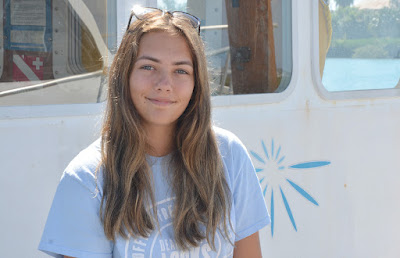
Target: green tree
370 51
395 3
344 3
390 26
350 23
172 5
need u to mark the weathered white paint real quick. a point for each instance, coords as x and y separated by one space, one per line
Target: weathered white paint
36 145
357 132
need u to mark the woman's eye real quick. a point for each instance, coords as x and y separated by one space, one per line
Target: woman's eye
180 71
147 67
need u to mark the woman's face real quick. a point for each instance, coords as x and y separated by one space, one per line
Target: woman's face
162 79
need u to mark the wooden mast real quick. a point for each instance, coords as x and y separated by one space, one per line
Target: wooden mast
251 46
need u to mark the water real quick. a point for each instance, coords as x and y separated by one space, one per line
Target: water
346 74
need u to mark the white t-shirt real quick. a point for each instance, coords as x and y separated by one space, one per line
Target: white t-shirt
74 228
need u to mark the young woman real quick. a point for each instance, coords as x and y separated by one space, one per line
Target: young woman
161 181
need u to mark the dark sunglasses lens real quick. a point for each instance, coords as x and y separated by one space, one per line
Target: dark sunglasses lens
193 19
143 13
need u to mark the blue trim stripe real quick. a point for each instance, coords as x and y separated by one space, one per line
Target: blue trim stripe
40 49
281 167
262 179
255 155
265 190
265 149
259 170
277 154
7 25
280 161
289 212
302 192
28 27
272 213
312 164
272 148
27 44
49 26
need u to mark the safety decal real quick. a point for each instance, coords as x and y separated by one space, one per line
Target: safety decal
27 68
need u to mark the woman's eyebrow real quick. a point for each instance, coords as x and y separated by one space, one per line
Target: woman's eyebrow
184 62
149 58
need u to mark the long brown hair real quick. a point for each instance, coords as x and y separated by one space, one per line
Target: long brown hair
197 174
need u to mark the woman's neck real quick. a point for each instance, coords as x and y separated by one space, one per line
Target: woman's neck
160 140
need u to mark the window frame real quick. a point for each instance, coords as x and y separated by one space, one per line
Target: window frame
269 98
338 95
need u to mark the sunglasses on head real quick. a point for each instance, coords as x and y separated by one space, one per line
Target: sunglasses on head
141 12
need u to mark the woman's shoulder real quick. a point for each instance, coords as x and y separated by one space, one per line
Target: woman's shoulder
236 160
231 148
228 140
223 133
86 165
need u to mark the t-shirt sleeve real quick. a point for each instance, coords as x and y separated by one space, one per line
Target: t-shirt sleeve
73 225
251 213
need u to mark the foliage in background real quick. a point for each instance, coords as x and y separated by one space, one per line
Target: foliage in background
366 33
171 5
344 3
370 51
382 47
395 3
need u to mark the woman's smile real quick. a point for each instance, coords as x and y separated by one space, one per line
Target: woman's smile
162 102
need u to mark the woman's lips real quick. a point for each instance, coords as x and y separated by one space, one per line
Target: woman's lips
161 101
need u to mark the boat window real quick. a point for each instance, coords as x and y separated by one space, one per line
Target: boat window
359 44
58 51
54 51
248 44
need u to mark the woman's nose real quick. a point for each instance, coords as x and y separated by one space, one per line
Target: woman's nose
164 82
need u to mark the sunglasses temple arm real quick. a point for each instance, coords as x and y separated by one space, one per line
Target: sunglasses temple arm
129 23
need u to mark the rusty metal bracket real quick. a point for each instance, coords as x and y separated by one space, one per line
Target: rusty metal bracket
242 55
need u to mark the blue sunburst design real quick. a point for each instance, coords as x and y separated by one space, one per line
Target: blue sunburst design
270 177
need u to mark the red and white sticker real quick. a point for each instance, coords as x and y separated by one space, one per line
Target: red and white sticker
27 68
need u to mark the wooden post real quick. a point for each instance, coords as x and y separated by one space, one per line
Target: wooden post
251 46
